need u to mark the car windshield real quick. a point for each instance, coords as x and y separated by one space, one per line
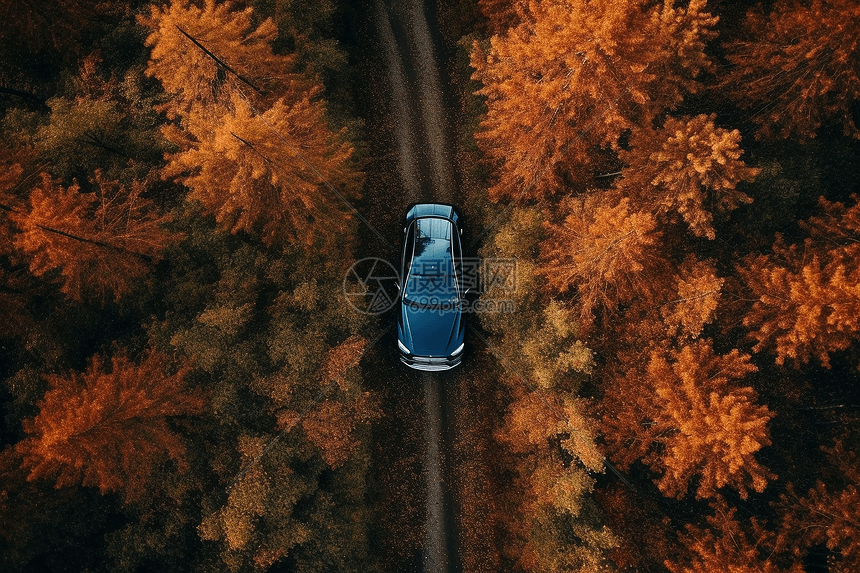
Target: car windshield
432 280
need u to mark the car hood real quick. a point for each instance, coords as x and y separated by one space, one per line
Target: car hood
431 331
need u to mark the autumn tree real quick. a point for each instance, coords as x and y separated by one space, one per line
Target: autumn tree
688 420
574 75
808 296
688 167
728 546
202 53
699 290
254 144
290 420
607 252
719 428
108 426
828 515
101 242
556 503
103 120
798 67
548 428
258 327
340 359
258 525
331 427
542 338
561 543
537 416
262 174
258 499
331 424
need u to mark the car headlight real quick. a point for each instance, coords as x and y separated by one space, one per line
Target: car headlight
459 349
402 346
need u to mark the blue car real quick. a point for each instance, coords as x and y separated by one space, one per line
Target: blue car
430 328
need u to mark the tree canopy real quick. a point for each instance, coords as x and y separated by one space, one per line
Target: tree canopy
108 426
797 67
575 75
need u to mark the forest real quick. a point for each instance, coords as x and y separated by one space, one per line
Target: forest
182 377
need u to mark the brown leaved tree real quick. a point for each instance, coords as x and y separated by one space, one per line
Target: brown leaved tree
577 74
728 546
331 427
101 242
685 416
808 296
828 515
202 52
108 427
263 174
799 68
254 143
698 292
689 167
607 252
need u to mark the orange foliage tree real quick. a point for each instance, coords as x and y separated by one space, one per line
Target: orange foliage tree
107 427
535 417
101 242
254 143
331 424
688 166
728 547
201 53
262 174
607 252
808 297
683 416
801 67
829 514
577 74
698 291
331 427
341 358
